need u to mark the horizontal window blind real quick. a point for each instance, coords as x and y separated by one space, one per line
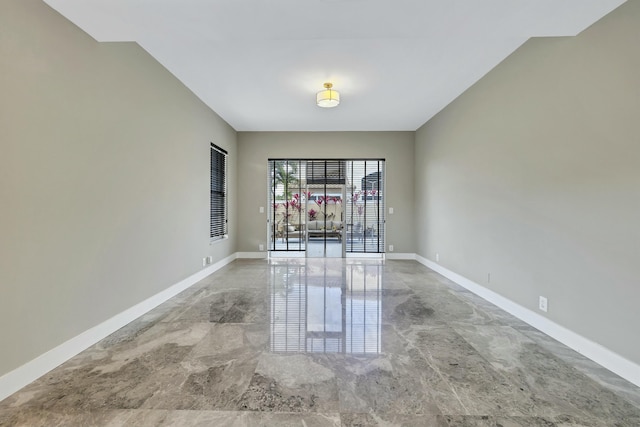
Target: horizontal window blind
218 205
325 172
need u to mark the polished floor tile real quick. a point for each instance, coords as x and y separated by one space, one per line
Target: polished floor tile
326 342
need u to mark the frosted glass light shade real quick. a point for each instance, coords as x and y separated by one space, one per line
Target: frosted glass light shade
328 97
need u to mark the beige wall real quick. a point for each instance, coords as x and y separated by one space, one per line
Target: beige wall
533 175
104 175
255 148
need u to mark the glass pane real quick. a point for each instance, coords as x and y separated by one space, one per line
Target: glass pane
325 220
365 206
286 205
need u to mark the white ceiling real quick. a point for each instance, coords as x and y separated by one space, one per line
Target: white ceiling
396 63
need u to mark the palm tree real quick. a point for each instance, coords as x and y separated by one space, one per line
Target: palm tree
285 174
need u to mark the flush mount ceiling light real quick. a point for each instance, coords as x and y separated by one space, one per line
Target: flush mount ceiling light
328 97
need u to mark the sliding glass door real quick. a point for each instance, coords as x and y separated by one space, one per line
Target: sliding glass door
364 207
326 207
286 200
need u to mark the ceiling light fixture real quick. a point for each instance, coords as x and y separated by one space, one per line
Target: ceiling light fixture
328 97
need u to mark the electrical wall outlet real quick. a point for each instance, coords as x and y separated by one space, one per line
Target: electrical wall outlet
390 211
543 304
204 261
390 248
261 209
437 257
261 247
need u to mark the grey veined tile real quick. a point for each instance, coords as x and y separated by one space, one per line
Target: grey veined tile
239 306
499 421
386 387
214 384
557 388
588 367
54 418
392 420
501 346
326 343
276 419
291 383
466 383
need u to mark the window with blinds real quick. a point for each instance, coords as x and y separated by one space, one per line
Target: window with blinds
218 202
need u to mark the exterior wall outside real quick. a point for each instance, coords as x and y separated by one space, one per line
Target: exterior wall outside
255 148
532 176
104 180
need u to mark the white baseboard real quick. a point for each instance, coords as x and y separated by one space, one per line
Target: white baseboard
399 255
34 369
592 350
252 255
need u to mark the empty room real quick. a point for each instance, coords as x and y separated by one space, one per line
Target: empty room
320 213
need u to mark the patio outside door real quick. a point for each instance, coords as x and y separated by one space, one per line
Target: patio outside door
324 227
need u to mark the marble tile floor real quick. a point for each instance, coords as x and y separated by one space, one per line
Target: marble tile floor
326 342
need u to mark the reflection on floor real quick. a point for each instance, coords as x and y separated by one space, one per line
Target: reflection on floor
326 308
319 249
326 342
